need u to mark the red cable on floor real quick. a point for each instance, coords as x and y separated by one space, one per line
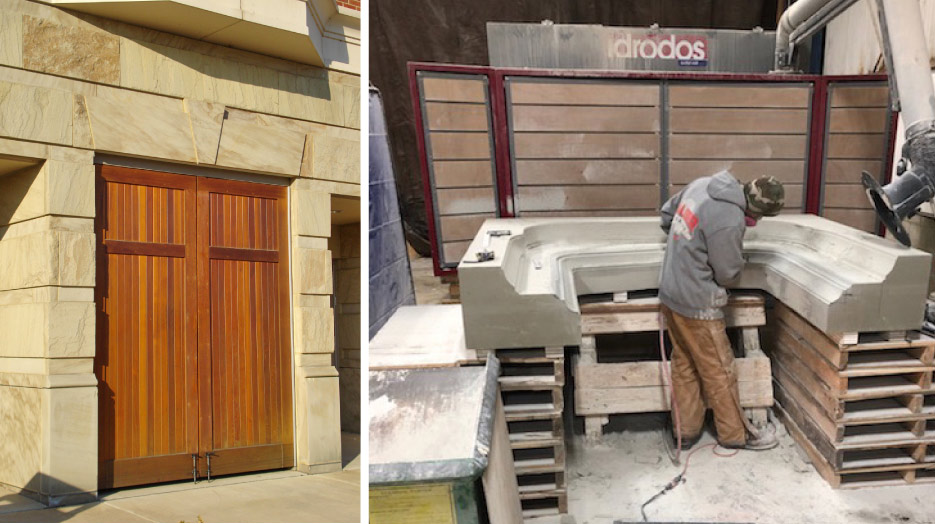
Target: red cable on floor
678 479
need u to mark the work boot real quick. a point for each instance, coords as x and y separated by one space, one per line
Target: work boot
763 441
672 440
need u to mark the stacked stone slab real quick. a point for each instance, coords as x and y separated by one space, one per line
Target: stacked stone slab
861 405
531 384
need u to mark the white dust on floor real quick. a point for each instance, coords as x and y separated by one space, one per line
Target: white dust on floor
609 481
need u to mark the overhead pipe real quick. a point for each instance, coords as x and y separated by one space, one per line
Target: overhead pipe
907 59
801 20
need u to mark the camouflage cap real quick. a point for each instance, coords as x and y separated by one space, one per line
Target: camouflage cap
765 196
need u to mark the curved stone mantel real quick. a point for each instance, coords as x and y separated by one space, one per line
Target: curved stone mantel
839 278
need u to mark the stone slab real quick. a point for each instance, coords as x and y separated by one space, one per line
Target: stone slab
839 278
263 143
35 113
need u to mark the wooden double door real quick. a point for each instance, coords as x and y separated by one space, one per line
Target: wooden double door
193 357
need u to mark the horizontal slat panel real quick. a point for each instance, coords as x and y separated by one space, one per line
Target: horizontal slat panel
441 116
595 213
794 195
737 96
786 171
454 89
460 146
848 171
860 96
863 219
466 201
453 251
738 146
871 147
584 93
743 120
558 172
251 255
576 118
846 195
858 120
587 197
462 227
123 247
462 173
584 145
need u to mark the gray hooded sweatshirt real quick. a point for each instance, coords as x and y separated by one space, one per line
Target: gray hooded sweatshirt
704 251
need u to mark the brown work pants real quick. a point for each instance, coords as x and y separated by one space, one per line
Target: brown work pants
702 360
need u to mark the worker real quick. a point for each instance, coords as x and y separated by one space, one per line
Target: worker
705 224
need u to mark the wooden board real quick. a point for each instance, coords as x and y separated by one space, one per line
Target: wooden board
585 145
583 119
860 96
469 88
848 171
193 326
858 119
870 146
643 399
743 120
741 147
445 116
579 92
465 201
643 315
447 145
642 374
739 96
585 172
551 198
463 173
462 227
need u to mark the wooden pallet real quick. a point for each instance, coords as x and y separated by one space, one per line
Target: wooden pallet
531 386
858 477
608 388
860 405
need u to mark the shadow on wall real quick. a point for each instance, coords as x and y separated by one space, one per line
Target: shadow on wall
14 506
313 82
14 189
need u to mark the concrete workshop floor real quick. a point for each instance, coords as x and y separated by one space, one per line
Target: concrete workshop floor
609 481
429 288
277 496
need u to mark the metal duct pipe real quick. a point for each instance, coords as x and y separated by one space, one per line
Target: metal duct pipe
906 53
801 20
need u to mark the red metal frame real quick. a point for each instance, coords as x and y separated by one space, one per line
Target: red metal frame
497 92
816 146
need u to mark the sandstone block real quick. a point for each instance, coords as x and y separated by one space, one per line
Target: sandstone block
35 113
262 143
314 330
72 51
311 211
311 271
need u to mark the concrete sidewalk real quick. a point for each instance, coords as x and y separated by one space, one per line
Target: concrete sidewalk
277 496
